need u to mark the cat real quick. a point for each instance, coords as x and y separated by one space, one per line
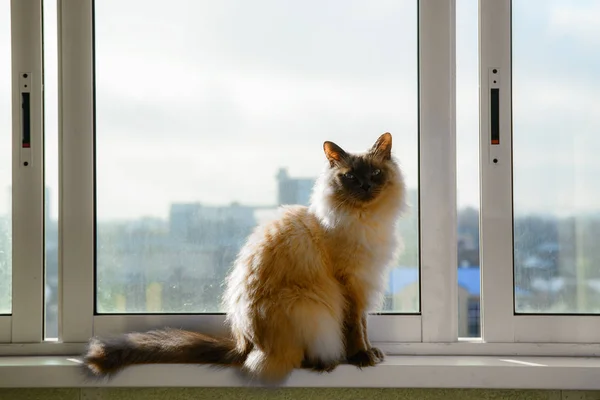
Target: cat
300 288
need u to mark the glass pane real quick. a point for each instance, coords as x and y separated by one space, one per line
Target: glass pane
556 98
51 167
5 162
211 114
467 160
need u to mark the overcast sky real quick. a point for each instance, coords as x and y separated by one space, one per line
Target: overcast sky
204 100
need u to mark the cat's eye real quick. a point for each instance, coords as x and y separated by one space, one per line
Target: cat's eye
348 175
376 172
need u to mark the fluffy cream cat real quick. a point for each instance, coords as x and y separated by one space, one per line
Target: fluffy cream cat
301 286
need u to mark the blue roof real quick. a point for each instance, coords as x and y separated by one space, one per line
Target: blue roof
401 277
469 278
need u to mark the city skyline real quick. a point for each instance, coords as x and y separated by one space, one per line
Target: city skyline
299 189
197 244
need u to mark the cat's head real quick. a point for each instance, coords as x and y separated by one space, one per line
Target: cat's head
358 180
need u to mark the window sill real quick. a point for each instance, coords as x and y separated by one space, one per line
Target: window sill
396 372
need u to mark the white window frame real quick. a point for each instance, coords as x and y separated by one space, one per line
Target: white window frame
437 321
500 323
76 176
25 324
5 328
432 332
437 170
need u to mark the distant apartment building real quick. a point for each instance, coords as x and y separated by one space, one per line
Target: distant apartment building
196 222
293 190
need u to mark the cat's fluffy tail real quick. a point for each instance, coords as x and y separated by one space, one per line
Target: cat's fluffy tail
107 356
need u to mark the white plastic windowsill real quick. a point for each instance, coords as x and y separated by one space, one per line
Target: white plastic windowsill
396 372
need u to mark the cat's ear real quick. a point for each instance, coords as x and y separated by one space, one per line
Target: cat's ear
383 146
334 153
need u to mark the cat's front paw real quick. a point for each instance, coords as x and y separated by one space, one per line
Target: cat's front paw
366 358
378 354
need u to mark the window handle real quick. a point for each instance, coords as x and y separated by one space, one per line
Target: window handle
494 116
25 92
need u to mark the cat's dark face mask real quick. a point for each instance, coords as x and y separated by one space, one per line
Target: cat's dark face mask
360 178
363 179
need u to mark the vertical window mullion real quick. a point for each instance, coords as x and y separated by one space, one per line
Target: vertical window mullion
28 172
437 170
76 173
496 171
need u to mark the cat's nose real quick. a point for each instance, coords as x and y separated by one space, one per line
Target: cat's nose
366 187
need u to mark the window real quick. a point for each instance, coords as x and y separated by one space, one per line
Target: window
473 325
531 190
51 188
5 162
556 190
134 213
195 149
467 169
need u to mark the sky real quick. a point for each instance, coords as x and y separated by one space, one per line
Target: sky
205 101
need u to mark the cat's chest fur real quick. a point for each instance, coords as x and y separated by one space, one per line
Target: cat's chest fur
362 249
